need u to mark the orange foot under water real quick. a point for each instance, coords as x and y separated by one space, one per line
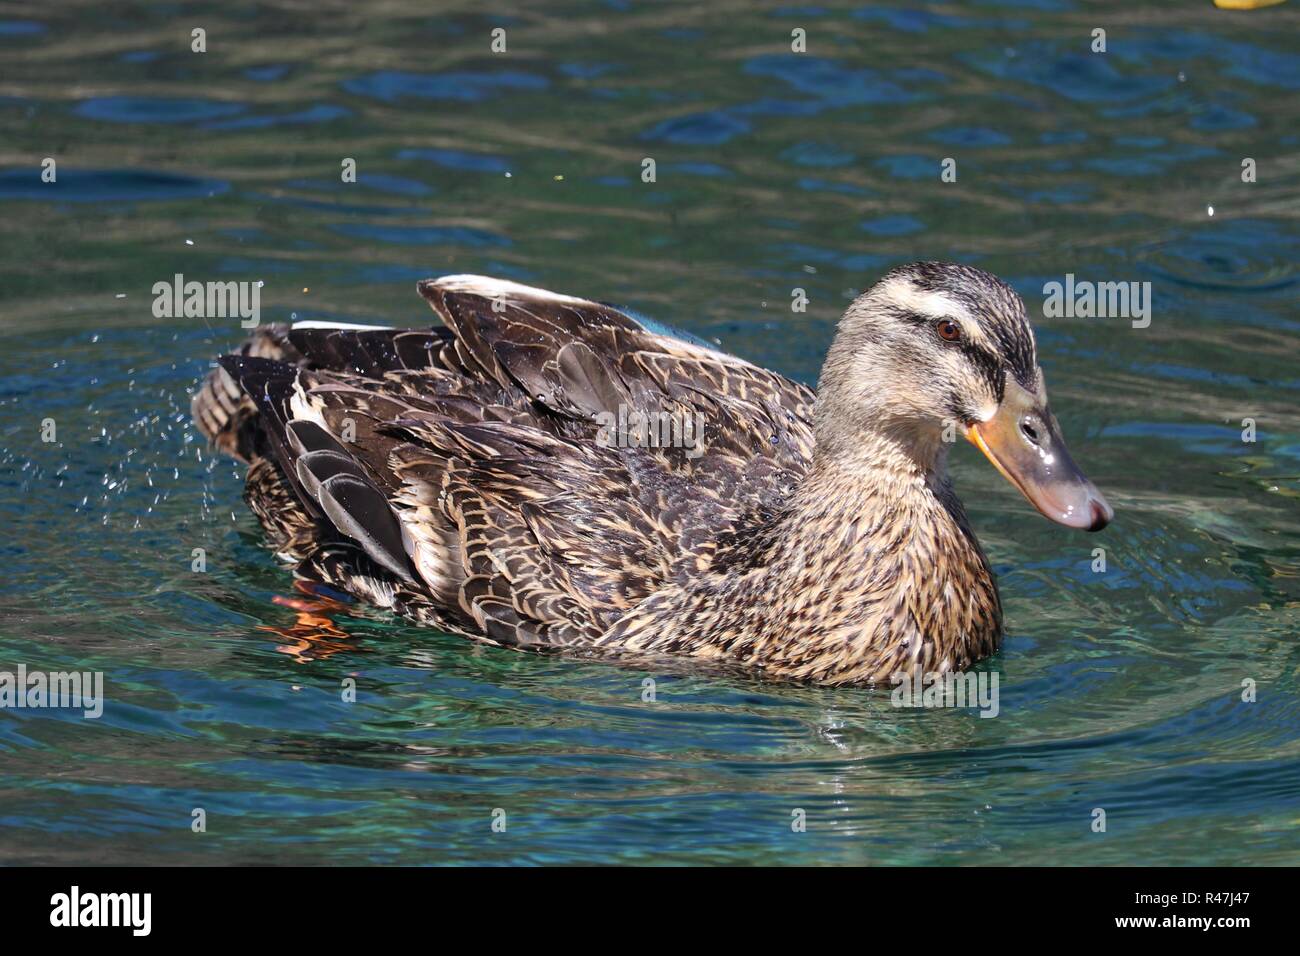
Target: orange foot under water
314 636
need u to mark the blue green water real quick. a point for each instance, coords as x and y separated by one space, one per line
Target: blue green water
774 170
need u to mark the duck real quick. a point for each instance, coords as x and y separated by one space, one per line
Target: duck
494 476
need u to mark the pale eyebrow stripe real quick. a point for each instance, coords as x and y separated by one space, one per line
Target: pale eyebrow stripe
936 305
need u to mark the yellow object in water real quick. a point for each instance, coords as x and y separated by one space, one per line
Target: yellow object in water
1246 4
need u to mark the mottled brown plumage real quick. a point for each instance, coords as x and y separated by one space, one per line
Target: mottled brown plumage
467 477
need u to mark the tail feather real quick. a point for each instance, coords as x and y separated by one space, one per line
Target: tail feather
221 409
222 412
330 483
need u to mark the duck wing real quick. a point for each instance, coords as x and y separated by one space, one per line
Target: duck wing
475 475
586 362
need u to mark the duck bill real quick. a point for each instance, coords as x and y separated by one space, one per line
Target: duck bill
1023 440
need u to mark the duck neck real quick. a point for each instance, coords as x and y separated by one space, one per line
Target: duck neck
881 472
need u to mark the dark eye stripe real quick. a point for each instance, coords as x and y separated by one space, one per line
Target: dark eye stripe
985 361
924 321
909 316
1001 312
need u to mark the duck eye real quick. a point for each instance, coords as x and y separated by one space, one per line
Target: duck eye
948 330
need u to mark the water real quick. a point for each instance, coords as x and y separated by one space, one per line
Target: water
1119 691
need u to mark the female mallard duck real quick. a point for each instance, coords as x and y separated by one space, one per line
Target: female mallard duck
467 477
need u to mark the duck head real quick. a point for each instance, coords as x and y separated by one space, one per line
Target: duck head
938 349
